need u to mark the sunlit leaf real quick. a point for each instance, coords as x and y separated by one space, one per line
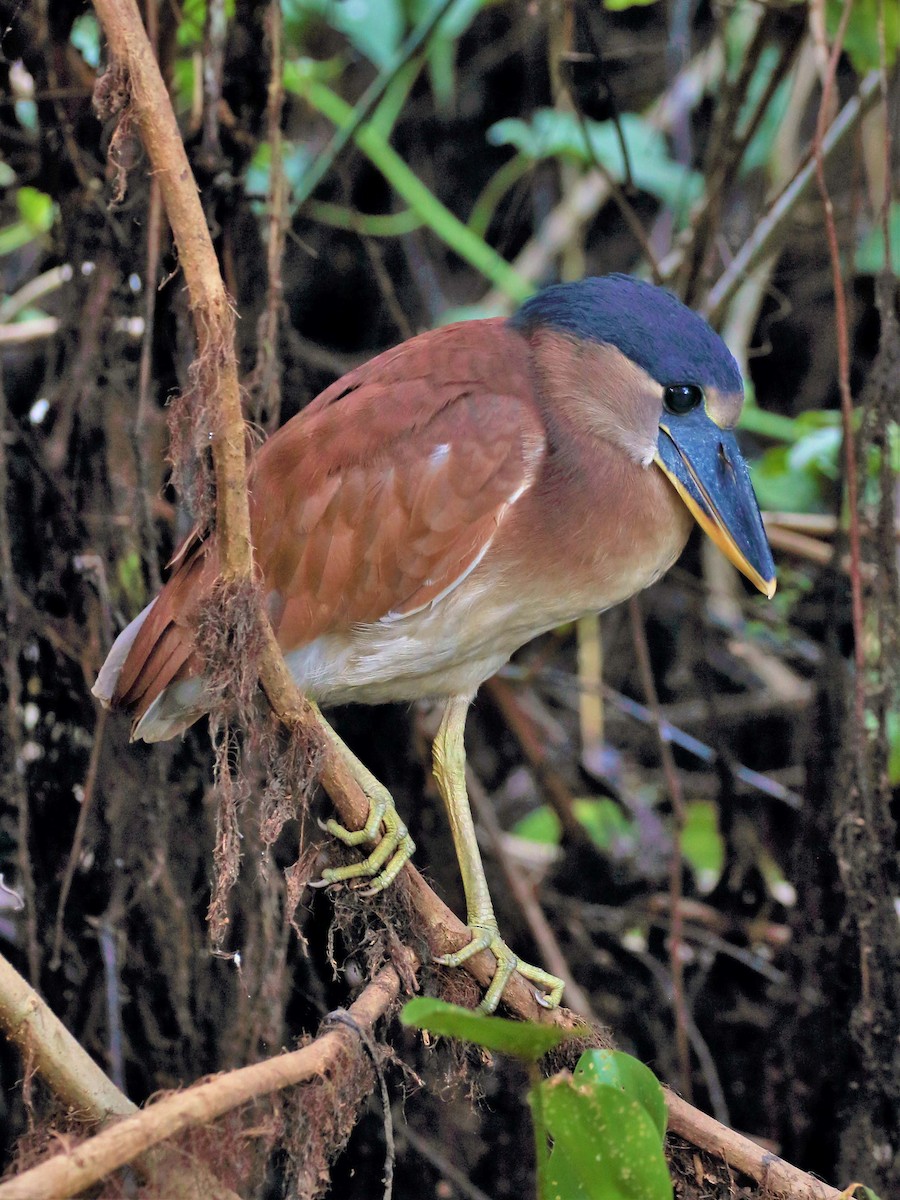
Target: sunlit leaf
605 1145
601 817
630 1075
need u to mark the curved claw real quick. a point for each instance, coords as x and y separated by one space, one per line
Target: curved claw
487 937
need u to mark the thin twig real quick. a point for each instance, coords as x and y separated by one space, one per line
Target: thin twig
448 1169
84 812
771 226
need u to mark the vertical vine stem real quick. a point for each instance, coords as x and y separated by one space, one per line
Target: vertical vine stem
213 316
843 352
676 795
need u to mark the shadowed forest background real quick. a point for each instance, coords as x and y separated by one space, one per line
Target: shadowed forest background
491 148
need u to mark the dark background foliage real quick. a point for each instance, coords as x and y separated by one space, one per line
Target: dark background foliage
107 848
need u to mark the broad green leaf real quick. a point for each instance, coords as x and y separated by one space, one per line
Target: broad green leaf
554 134
613 1068
374 28
701 843
869 259
521 1039
605 1145
37 213
604 821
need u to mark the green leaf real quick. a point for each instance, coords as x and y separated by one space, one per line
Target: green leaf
373 27
613 1068
541 825
85 37
861 38
702 845
621 5
782 490
605 1145
604 821
554 134
602 818
35 209
893 737
817 452
869 259
521 1039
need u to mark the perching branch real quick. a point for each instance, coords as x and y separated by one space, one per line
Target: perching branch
779 1178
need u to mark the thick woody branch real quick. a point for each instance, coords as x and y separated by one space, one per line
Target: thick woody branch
76 1080
75 1170
777 1177
66 1068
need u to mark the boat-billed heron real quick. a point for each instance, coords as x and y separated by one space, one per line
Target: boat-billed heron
436 508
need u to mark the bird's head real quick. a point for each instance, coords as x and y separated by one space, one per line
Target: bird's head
665 388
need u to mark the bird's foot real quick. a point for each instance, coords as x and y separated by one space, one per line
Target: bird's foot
389 856
486 936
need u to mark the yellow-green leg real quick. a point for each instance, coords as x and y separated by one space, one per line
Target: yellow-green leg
450 774
394 849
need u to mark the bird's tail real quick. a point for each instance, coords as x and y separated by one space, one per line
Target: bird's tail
152 670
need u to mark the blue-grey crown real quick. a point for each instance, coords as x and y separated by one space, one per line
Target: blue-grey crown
646 323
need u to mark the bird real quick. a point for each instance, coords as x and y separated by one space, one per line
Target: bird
438 507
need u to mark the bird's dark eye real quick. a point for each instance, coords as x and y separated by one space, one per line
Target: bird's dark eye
680 398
